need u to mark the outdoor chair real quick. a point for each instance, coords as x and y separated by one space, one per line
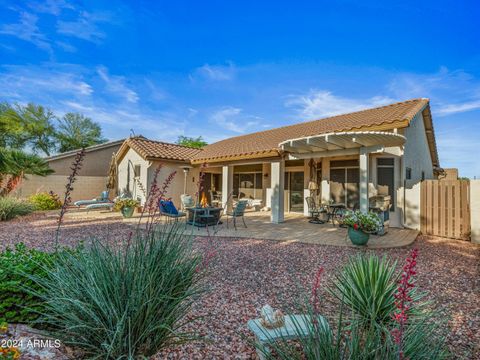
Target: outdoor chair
238 211
102 199
216 198
187 201
314 211
168 209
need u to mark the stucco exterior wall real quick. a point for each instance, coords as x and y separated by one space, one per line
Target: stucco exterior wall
95 163
85 187
126 177
475 210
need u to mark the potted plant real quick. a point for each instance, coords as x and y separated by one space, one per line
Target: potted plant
126 206
361 225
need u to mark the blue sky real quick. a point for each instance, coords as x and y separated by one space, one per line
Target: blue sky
222 68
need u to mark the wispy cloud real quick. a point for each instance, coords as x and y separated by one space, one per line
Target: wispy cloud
117 85
451 92
27 29
53 7
27 82
322 103
85 27
216 72
233 119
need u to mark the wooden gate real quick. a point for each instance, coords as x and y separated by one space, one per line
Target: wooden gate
445 208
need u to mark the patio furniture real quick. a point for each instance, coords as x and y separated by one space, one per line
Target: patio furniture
168 209
187 201
295 326
216 198
336 212
204 216
238 211
102 199
314 211
100 205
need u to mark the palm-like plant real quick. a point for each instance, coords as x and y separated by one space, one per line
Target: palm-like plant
15 164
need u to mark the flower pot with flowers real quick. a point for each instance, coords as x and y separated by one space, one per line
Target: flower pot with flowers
126 206
361 225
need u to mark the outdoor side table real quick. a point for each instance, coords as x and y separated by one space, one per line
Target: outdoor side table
295 326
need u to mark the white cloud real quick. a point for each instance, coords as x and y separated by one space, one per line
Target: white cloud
53 7
231 118
323 103
451 92
116 85
216 72
26 29
30 82
84 27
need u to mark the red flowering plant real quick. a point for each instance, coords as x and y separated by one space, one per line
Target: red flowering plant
367 222
403 300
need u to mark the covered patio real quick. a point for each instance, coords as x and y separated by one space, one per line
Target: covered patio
296 228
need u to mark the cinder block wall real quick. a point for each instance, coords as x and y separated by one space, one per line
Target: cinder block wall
85 187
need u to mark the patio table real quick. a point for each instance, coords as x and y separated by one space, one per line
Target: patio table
333 211
201 217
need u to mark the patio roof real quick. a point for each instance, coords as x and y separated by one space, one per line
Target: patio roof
333 144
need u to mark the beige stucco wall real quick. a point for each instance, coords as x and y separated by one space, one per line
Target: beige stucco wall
475 210
95 163
417 157
85 187
126 178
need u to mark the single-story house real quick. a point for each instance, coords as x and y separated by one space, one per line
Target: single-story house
92 177
345 159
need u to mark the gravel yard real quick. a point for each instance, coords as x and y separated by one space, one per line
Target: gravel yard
246 274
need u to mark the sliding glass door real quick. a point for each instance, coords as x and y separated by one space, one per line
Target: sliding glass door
345 182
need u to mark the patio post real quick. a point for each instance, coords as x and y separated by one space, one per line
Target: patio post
227 186
277 185
364 154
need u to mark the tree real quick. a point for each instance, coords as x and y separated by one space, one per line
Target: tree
76 131
29 125
15 164
197 142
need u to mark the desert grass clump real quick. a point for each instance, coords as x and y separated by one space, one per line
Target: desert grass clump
123 302
11 207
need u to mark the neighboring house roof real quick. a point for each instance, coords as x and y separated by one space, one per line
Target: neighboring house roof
157 150
266 143
92 148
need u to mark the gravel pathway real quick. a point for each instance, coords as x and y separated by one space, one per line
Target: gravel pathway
246 274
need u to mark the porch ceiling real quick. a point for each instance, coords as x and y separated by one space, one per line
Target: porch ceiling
343 141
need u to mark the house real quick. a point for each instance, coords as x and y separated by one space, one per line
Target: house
92 177
138 158
346 159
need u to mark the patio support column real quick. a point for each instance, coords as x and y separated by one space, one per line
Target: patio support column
227 186
325 188
364 154
277 185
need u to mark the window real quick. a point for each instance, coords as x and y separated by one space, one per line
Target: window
408 173
344 182
137 170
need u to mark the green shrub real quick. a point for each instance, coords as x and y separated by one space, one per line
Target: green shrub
366 285
16 304
122 302
45 201
365 289
11 207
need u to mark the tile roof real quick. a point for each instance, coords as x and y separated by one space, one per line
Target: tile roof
150 149
265 143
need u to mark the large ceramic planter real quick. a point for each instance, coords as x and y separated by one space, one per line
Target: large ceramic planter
358 237
127 211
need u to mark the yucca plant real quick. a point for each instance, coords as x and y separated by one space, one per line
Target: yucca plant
122 302
367 285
